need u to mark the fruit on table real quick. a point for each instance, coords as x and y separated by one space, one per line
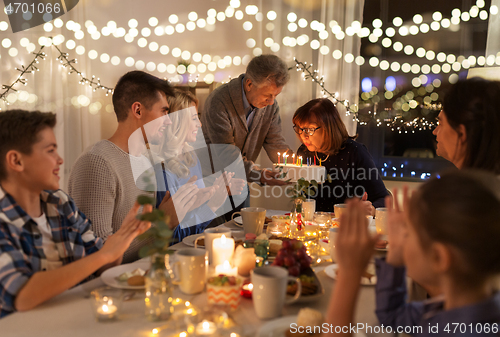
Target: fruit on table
293 256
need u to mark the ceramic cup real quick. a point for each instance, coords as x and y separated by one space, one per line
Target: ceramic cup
338 209
209 235
190 269
253 219
269 291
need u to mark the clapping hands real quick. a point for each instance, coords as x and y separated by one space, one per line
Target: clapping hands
396 227
355 244
131 227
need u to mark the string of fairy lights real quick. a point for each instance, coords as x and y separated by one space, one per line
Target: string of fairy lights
397 123
30 68
66 62
92 82
294 23
309 73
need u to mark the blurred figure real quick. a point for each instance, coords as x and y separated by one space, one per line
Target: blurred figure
468 131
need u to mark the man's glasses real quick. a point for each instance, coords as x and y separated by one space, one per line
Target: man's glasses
307 131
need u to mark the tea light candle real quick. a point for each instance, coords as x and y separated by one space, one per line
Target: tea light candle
205 328
222 249
106 312
311 229
246 290
225 269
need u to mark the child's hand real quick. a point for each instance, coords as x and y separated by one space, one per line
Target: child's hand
354 245
131 227
396 227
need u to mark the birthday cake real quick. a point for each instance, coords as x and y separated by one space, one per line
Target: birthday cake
311 172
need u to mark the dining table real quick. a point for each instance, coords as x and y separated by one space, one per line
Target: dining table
70 313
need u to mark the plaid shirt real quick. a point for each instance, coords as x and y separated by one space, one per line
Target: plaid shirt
21 250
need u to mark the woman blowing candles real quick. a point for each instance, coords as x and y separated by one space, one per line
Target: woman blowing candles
348 163
468 131
448 234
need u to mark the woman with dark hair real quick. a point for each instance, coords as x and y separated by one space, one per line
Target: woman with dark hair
468 131
351 168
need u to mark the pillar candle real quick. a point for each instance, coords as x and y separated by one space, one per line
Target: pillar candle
225 269
222 249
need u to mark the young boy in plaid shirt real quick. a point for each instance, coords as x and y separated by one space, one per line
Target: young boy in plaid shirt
46 244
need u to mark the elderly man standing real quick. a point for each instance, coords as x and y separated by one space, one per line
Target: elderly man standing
244 113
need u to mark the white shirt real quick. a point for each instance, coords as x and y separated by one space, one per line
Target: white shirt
52 261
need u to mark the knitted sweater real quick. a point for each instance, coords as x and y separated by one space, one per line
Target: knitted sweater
103 186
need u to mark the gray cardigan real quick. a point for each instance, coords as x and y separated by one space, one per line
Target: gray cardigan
224 122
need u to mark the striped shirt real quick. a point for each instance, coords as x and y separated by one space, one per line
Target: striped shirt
21 247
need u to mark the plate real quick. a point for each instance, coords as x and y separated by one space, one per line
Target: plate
269 214
331 271
189 240
319 292
277 327
110 275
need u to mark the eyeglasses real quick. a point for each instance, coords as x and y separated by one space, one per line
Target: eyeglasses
307 131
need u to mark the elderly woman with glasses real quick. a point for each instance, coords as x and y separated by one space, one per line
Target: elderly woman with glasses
351 169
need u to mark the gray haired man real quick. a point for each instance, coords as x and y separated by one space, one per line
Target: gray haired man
244 113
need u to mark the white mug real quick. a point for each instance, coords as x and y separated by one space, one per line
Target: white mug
253 219
269 291
210 234
190 269
381 221
338 209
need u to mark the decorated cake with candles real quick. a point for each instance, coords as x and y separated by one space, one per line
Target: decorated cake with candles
295 168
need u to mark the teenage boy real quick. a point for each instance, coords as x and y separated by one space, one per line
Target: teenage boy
102 180
46 244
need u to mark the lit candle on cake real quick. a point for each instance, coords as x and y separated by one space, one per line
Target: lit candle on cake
279 158
300 161
223 249
286 156
293 159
